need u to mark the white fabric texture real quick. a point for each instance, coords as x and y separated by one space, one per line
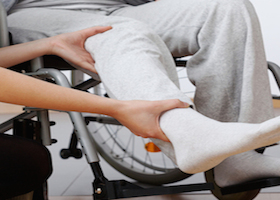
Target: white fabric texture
246 167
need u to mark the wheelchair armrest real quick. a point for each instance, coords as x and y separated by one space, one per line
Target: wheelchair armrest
4 34
50 61
179 62
275 69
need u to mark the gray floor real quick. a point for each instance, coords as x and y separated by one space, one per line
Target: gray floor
262 196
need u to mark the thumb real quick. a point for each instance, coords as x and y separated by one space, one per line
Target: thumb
173 103
168 105
95 30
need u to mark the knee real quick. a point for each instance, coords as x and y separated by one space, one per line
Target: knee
126 35
231 3
133 31
239 15
233 7
139 35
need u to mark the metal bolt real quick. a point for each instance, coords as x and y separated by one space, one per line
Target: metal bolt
98 191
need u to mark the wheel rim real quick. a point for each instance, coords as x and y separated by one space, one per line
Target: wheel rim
126 153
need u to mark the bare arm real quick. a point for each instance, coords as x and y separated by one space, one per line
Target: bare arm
141 117
69 46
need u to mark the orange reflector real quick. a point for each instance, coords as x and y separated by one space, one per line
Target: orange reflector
151 147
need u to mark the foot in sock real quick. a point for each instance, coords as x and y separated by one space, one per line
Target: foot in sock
245 167
201 143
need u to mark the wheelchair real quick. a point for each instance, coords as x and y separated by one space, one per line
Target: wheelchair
107 137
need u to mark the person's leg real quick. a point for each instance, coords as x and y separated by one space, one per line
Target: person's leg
134 63
134 71
25 165
228 67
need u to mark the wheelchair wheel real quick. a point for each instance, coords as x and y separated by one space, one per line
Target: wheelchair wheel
127 153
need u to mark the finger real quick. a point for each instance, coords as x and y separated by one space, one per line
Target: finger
164 138
173 103
103 29
160 135
89 66
95 30
165 106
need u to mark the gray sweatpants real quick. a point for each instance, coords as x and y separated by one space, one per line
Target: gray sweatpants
228 64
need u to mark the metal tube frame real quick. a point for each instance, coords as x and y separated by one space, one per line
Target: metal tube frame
77 119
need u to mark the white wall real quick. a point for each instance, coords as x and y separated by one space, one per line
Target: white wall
269 15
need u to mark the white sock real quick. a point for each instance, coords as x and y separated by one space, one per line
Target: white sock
201 143
245 167
166 148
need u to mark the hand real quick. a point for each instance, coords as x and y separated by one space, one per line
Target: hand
142 117
70 46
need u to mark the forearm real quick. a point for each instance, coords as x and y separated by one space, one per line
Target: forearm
16 54
141 117
23 90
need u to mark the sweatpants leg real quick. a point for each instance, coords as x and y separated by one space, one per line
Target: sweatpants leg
228 66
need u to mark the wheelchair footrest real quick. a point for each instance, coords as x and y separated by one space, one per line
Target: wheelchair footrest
123 189
251 185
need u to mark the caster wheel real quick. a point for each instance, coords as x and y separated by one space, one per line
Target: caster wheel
77 154
248 195
65 153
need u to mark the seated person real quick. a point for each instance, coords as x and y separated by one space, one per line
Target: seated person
228 68
25 164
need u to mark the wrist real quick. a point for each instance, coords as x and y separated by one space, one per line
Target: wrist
116 108
49 45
